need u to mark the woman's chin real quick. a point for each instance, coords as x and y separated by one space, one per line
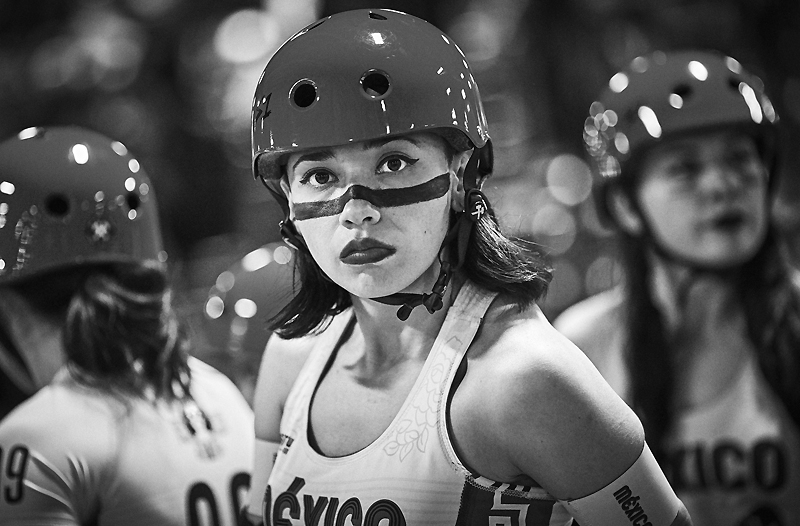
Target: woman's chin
381 290
377 285
371 290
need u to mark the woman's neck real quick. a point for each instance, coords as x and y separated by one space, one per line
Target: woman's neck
706 327
385 338
690 299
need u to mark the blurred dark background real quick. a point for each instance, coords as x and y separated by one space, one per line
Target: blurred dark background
174 79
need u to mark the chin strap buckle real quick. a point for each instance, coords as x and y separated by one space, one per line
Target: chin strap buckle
433 301
290 235
476 204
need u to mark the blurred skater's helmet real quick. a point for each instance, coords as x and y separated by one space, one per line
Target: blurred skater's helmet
70 197
664 95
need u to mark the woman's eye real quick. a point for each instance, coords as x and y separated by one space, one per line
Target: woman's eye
395 164
683 169
316 178
741 157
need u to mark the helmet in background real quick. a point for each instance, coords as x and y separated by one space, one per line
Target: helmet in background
361 75
70 196
239 306
669 94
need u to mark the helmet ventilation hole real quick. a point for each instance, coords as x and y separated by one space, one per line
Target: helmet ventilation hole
683 91
630 116
376 84
57 205
133 201
304 94
376 16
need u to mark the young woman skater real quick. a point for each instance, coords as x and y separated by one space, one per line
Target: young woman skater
414 380
703 336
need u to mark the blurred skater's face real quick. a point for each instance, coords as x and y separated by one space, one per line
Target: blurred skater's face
705 197
374 213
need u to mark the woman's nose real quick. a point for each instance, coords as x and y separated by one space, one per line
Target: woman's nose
358 211
721 179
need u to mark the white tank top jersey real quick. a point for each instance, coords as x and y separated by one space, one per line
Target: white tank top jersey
734 461
410 475
73 456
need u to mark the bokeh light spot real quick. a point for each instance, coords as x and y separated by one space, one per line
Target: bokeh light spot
80 153
246 36
256 259
225 281
569 179
282 255
215 306
245 308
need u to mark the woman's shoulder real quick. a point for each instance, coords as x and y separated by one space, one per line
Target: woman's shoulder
521 350
523 343
212 388
281 363
528 380
53 422
284 358
589 313
596 324
207 375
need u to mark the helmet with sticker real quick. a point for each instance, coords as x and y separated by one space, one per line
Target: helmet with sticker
668 94
70 196
361 75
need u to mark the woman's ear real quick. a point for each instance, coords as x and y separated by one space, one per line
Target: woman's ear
623 211
457 167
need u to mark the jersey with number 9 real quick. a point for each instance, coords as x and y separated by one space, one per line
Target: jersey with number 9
72 455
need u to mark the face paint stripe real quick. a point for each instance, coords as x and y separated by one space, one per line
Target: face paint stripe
390 197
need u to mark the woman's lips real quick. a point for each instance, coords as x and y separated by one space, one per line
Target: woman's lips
364 251
729 220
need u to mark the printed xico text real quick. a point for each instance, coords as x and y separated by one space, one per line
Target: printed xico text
326 511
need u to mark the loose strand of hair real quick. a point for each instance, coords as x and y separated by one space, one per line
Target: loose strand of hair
647 352
771 299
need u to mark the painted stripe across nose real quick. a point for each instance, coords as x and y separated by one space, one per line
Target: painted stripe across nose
385 198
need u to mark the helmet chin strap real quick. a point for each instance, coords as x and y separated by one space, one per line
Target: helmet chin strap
475 206
434 300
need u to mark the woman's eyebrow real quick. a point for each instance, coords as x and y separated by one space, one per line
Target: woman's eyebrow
315 156
324 155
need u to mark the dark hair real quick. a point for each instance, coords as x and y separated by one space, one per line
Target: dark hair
50 293
771 297
651 372
122 335
493 261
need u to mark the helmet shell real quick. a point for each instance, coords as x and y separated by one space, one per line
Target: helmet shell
361 75
245 296
238 307
70 196
667 94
